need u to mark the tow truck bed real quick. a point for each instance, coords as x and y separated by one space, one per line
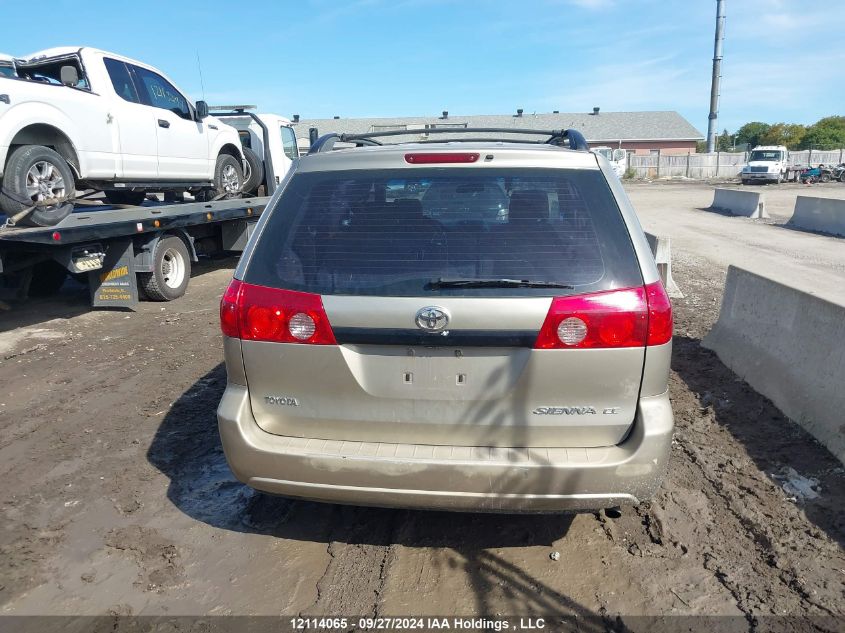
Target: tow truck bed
106 241
92 223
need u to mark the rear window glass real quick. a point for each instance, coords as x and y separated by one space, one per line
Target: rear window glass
400 232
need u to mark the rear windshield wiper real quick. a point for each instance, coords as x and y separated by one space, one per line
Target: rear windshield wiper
445 282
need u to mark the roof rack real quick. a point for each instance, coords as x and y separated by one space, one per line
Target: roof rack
555 137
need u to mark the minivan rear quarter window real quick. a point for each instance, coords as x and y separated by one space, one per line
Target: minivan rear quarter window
445 232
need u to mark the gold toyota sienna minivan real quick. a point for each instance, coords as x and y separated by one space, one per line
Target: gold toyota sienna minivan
461 325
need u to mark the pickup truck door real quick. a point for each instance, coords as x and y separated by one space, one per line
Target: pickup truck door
182 140
136 126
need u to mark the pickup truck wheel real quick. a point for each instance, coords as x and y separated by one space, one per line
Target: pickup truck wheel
134 198
35 174
228 180
171 271
256 171
825 177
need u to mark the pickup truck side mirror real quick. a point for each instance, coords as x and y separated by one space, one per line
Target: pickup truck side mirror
69 75
202 110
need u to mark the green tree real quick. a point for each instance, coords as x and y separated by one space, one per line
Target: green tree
789 134
724 141
826 133
751 132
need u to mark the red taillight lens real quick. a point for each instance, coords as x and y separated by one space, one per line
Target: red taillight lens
632 317
429 158
617 318
257 313
659 314
229 310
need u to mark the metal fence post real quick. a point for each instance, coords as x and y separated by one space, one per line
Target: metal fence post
688 157
658 163
810 157
718 158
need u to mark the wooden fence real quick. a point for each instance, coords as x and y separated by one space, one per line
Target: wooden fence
716 165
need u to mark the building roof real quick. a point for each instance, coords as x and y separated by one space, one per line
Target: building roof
602 127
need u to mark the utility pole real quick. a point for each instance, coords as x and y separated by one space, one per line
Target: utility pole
717 75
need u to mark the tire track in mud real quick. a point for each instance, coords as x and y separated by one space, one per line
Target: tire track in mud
360 547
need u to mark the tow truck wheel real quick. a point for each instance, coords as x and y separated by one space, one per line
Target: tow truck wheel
825 177
133 198
171 271
228 180
34 175
256 171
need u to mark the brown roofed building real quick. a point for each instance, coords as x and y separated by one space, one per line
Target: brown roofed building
639 132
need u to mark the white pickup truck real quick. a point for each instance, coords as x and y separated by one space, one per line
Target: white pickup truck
81 118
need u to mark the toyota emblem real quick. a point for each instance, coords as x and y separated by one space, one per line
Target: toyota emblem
432 319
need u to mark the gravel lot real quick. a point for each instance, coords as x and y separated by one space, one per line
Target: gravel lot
116 498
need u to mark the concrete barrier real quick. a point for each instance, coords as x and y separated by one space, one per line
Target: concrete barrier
788 345
746 203
819 214
661 249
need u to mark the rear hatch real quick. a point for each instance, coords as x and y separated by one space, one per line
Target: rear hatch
433 290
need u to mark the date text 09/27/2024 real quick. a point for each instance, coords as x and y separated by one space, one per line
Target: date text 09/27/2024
419 623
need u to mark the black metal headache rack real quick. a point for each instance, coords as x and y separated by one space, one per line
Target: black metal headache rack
574 138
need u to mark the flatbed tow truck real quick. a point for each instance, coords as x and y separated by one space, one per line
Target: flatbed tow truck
124 252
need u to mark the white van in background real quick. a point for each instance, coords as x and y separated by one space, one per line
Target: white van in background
618 158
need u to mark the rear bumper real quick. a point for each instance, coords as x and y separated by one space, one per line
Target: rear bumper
461 478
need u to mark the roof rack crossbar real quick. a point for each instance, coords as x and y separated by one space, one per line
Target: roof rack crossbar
326 142
481 139
574 138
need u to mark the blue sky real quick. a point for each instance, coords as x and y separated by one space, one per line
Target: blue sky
783 59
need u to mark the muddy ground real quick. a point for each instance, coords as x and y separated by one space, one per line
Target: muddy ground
116 498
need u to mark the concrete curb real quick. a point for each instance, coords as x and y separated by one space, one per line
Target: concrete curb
662 252
789 346
749 204
826 215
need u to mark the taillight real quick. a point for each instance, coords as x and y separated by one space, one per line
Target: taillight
659 314
229 310
257 313
617 318
430 158
632 317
